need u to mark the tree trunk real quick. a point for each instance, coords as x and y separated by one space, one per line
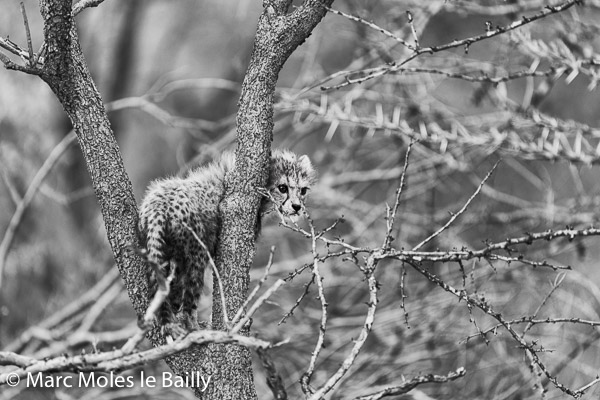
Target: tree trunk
278 35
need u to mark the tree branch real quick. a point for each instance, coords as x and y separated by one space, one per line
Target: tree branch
414 382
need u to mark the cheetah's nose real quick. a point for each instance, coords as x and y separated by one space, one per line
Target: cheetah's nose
296 207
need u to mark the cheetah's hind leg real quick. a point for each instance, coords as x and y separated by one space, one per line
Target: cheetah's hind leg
179 327
162 282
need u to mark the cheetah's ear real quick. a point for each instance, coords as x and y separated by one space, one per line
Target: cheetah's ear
307 167
305 163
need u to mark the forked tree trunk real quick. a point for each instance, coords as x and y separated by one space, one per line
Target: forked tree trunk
65 71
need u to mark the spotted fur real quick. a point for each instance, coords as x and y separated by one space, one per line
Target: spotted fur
172 203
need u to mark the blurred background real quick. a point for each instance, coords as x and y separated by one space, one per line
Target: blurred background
170 74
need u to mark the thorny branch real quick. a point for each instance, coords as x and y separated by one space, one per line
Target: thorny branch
367 74
411 384
288 314
482 305
306 377
391 213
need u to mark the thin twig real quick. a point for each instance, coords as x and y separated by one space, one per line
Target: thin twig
414 382
262 280
555 285
371 25
403 295
31 60
39 56
306 377
391 214
412 29
298 301
256 305
215 271
582 389
456 215
526 73
98 307
530 320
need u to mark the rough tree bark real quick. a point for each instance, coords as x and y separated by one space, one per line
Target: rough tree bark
65 71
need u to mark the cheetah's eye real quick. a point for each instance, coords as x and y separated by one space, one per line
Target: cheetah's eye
282 188
303 191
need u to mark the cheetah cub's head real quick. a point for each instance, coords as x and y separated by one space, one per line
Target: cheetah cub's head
290 179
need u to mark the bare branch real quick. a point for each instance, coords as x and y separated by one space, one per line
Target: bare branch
582 389
484 77
412 29
414 382
458 214
487 251
117 359
262 280
532 321
298 301
373 26
31 58
260 301
12 47
556 284
215 271
391 214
